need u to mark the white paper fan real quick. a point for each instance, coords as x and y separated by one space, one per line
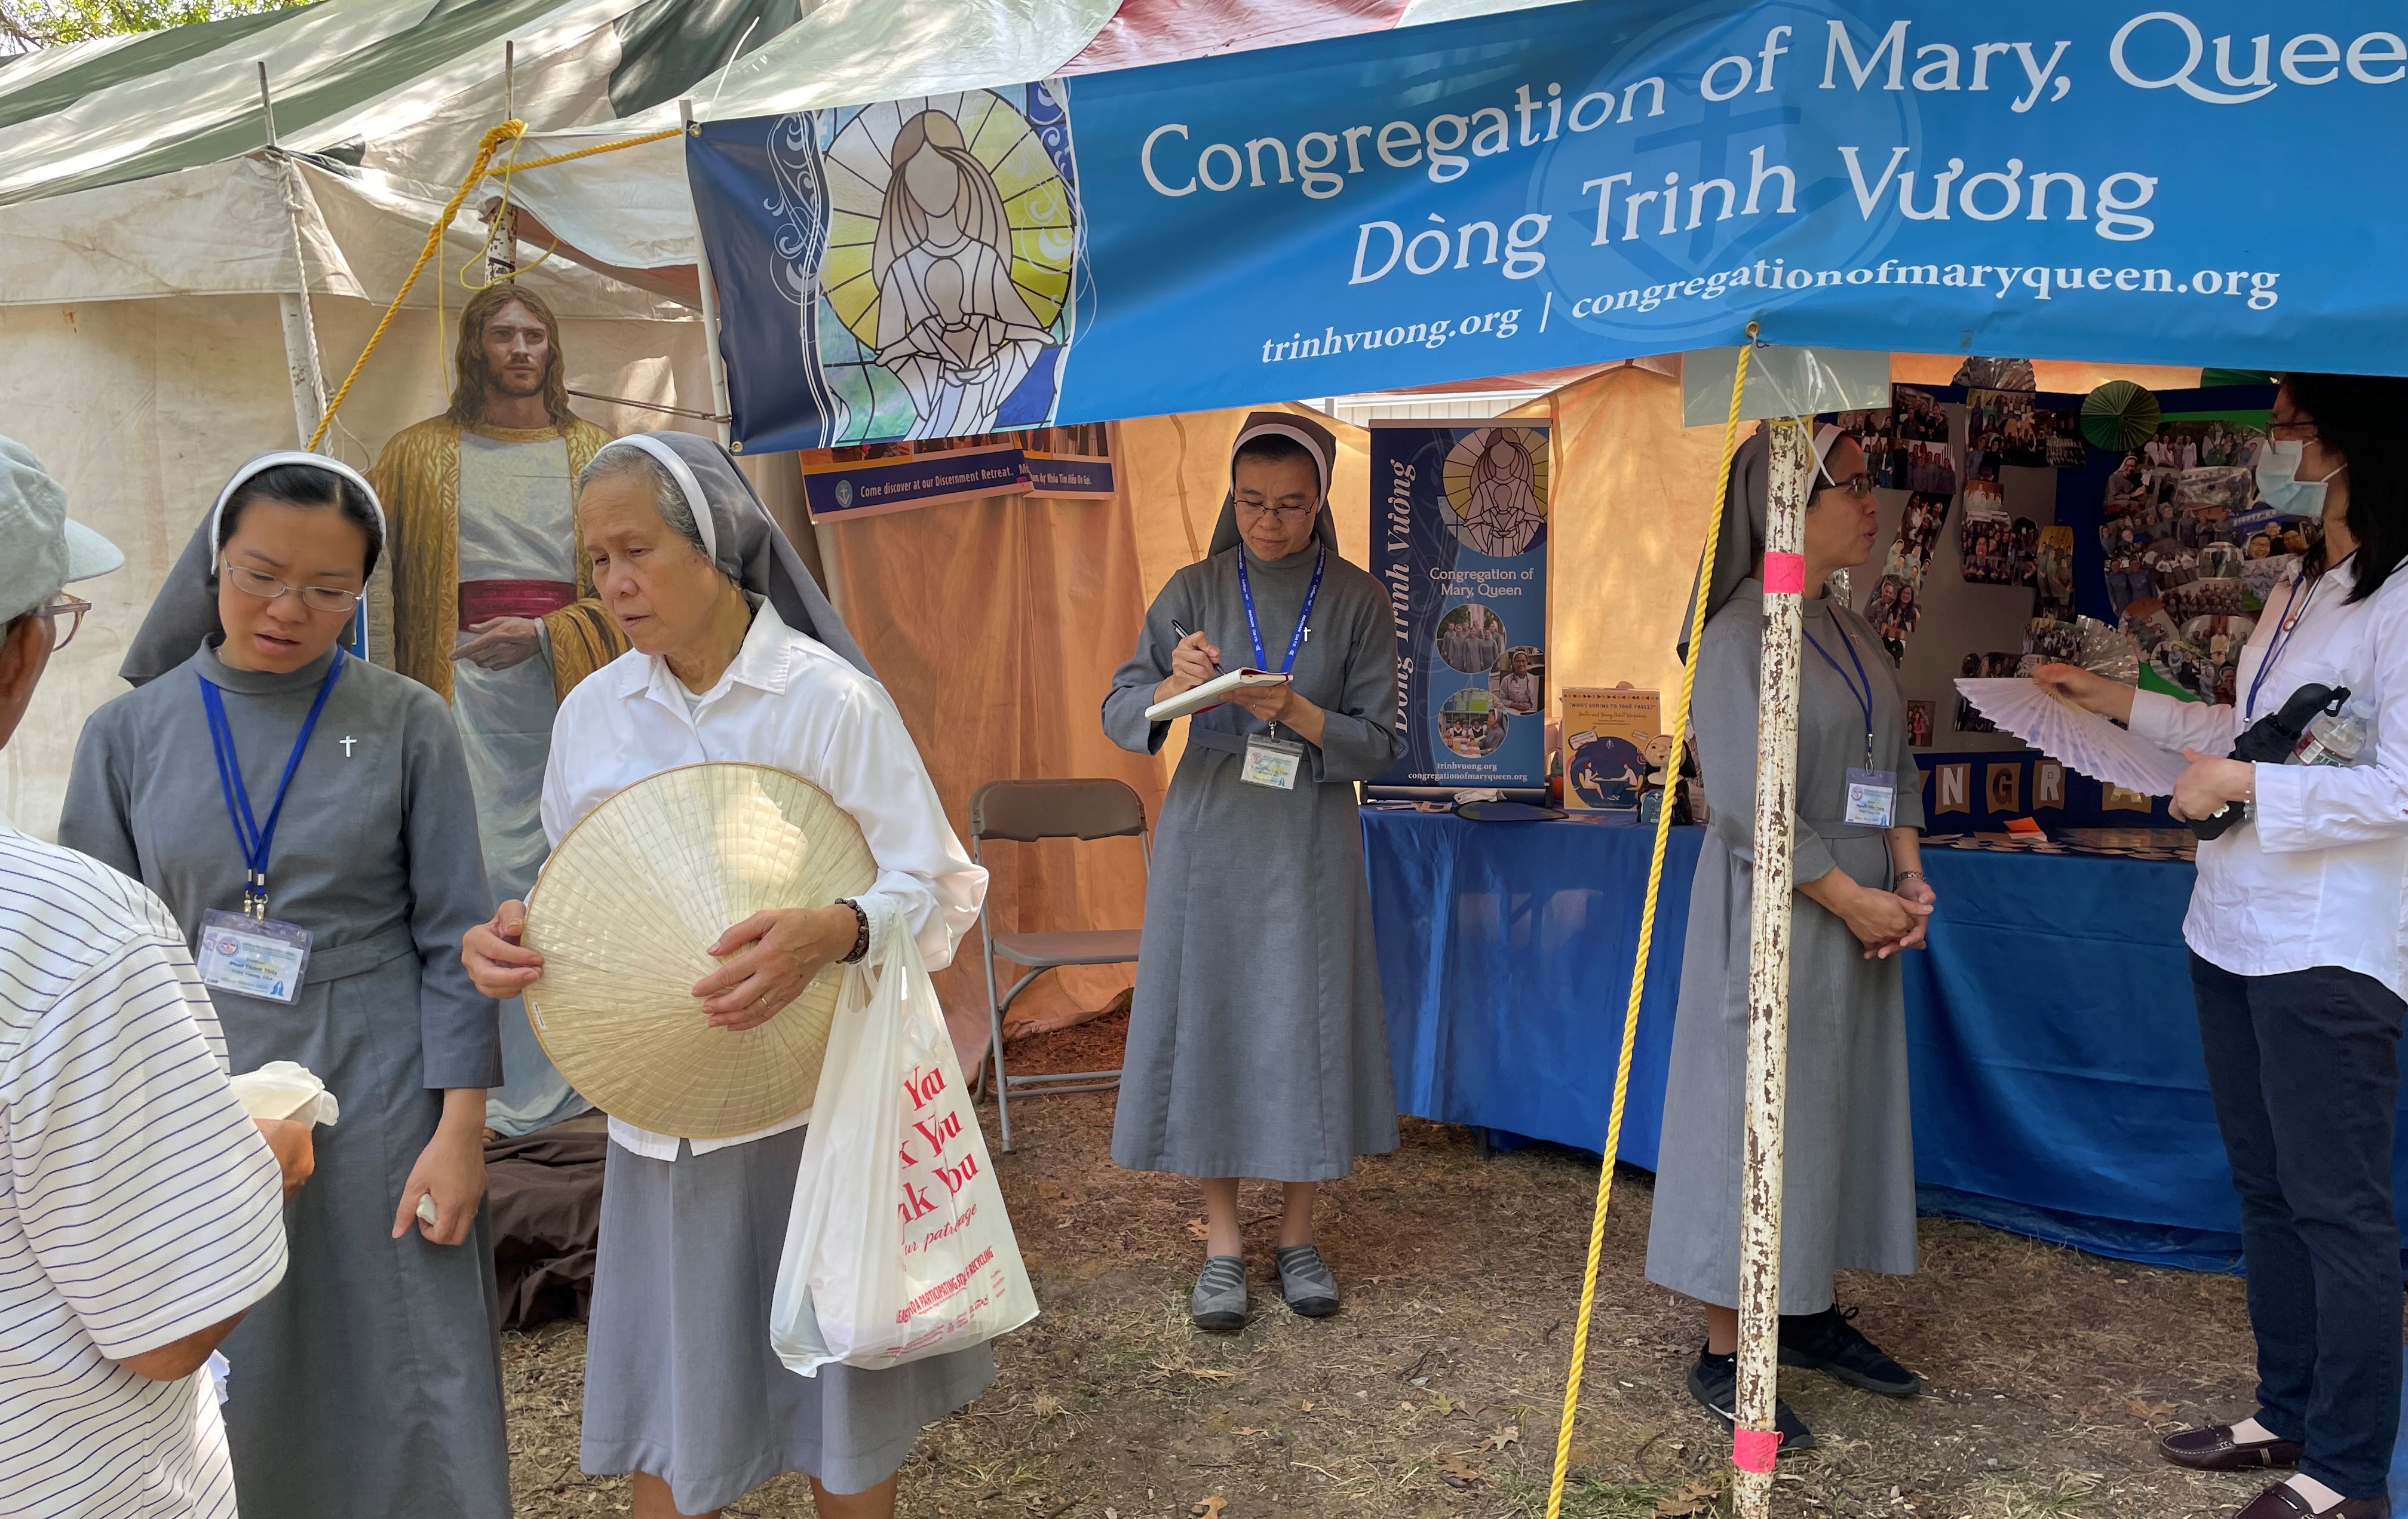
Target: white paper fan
2080 741
622 914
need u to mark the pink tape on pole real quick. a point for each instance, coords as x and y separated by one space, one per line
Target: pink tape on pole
1755 1450
1784 573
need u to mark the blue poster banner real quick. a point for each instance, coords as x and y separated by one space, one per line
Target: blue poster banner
2211 185
870 487
1459 538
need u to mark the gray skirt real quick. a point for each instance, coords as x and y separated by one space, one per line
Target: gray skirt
680 1381
1847 1194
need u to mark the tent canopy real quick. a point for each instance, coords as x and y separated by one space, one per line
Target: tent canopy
114 152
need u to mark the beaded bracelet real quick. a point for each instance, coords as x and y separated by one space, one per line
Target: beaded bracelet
861 932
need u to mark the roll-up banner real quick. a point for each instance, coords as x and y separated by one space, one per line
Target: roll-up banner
2211 183
1459 541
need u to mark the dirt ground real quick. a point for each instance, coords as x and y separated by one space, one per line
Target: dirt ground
1437 1391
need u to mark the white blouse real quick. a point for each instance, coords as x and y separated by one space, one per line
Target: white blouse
2316 876
791 702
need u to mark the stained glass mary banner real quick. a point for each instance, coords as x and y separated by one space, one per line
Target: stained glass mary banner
922 255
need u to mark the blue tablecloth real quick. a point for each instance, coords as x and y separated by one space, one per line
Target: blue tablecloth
2058 1087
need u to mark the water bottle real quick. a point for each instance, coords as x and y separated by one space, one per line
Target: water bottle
2332 739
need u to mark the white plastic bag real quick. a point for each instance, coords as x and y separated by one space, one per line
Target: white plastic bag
898 1247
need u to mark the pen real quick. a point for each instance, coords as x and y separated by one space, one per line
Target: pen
1180 633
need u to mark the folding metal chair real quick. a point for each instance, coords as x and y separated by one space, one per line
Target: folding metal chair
1024 812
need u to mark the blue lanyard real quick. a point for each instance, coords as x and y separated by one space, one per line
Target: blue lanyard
1863 696
2294 614
254 839
1296 639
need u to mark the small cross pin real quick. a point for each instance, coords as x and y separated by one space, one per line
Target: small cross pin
348 742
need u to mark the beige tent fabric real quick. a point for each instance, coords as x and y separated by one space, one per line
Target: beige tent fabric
995 624
2057 375
142 408
1633 490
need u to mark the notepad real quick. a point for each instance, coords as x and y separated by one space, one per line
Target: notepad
1211 693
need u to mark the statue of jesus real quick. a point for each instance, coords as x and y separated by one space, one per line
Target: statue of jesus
493 606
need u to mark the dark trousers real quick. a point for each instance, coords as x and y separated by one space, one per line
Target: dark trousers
2304 1069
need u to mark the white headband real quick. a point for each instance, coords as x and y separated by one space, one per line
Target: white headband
267 462
1825 435
1311 446
696 503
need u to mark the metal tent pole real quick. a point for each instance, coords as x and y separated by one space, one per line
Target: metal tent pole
502 244
309 386
1755 1445
717 362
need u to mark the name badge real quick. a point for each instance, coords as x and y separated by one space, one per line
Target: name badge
254 958
1272 762
1872 798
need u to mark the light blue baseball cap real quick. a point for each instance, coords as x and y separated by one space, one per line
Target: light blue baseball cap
41 549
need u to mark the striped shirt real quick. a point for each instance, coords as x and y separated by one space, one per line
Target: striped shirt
137 1203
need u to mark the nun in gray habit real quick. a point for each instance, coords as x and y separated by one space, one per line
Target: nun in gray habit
367 1385
1848 1185
1257 1045
682 1387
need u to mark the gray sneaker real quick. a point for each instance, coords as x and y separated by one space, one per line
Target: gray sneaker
1305 1282
1219 1301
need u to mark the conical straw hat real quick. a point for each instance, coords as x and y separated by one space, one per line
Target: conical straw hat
622 914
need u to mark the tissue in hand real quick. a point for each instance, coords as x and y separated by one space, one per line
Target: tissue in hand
281 1089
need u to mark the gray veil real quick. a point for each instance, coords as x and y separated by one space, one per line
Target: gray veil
745 542
186 609
1741 544
1316 440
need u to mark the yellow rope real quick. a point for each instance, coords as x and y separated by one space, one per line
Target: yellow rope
604 148
1646 937
509 131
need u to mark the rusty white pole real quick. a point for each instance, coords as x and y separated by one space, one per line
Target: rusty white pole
1753 1444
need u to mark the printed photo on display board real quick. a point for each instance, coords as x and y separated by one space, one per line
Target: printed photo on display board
1986 541
1896 602
1919 416
1894 610
1876 434
1918 723
2054 572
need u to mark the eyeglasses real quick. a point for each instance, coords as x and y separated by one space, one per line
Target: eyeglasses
2305 431
1856 484
65 613
267 587
1284 514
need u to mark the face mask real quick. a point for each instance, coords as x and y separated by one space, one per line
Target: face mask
2279 486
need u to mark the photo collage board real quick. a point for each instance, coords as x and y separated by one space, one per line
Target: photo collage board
2186 557
2191 556
1916 447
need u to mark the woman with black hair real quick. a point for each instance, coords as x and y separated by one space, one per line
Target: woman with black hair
312 812
1257 1045
2299 958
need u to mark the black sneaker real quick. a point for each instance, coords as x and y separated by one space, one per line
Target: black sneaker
1829 1342
1714 1381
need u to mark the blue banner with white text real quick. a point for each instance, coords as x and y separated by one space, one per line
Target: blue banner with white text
2214 184
1459 541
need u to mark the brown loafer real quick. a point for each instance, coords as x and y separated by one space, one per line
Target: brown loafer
2283 1501
2213 1448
